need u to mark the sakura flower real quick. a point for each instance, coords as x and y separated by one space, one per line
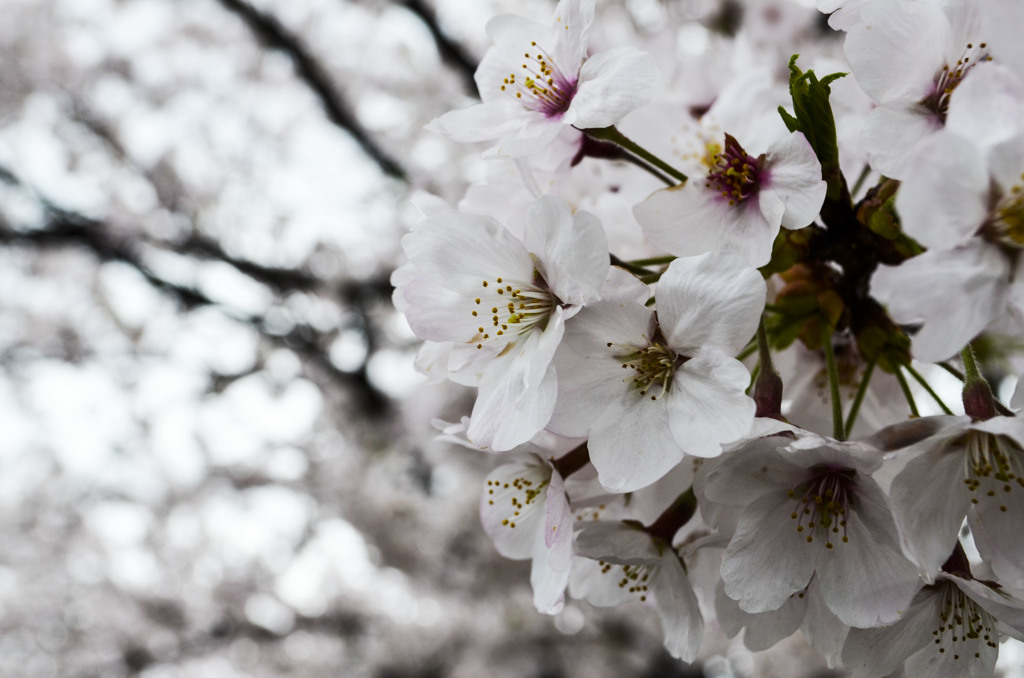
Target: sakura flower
811 509
741 202
961 469
964 202
951 629
524 509
649 388
622 563
909 57
494 305
537 79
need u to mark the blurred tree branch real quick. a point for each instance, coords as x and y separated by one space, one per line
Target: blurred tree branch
451 51
64 228
269 31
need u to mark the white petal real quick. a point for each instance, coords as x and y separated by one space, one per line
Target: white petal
763 629
630 445
823 630
738 478
870 653
897 48
987 106
712 300
612 83
865 583
892 132
498 510
572 249
930 501
997 533
490 121
681 621
558 525
691 219
794 175
571 29
707 406
955 293
944 201
517 396
768 560
616 542
548 583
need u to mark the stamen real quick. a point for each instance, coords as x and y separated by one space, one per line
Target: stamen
825 498
528 491
993 467
521 307
963 624
735 174
950 77
543 87
631 578
654 366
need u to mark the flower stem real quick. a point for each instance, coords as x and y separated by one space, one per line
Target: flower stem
860 180
952 370
838 432
633 267
674 517
851 418
653 261
907 394
572 461
616 137
924 384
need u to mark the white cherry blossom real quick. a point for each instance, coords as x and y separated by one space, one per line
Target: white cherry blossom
621 563
536 79
810 509
951 630
959 469
495 306
740 204
524 509
649 388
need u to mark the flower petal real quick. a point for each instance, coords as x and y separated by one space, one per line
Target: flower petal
713 300
681 621
612 83
767 560
707 406
571 249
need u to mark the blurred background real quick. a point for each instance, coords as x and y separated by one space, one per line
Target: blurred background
216 457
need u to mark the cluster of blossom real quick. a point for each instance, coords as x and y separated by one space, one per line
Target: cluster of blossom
621 312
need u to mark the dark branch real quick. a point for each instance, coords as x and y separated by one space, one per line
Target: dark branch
269 31
64 228
452 53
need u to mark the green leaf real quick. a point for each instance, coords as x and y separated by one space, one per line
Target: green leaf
814 118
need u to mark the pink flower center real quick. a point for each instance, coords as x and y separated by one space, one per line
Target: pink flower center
543 86
735 174
823 500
